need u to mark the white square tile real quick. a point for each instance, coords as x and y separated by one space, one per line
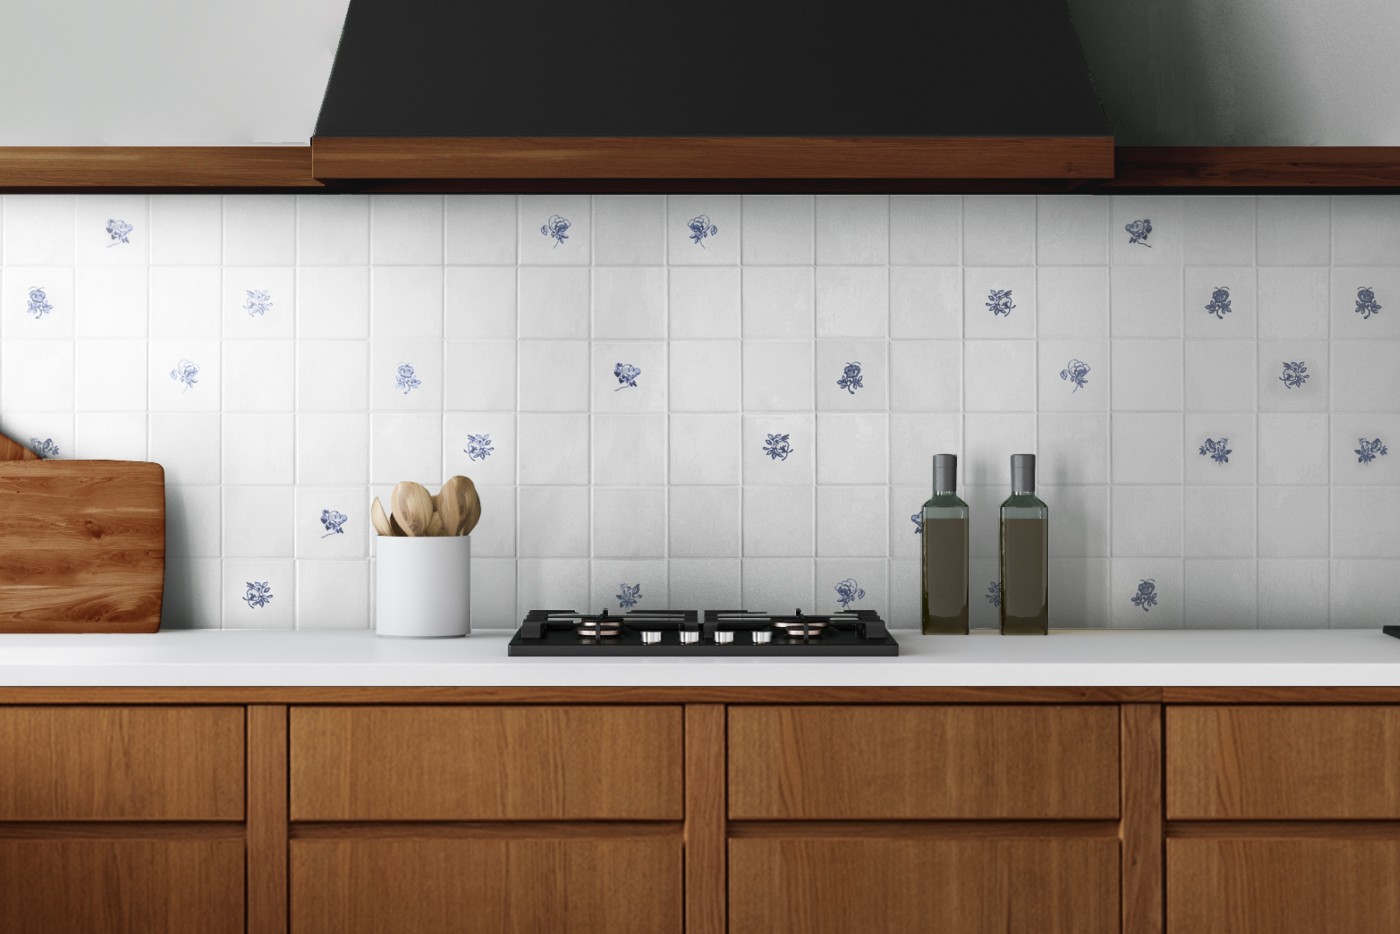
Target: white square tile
260 230
1365 302
117 436
852 376
554 303
703 229
1219 302
332 230
989 440
1360 449
193 519
259 302
852 583
48 434
258 521
109 376
38 230
553 449
259 593
37 376
111 301
778 230
1072 448
1078 520
1078 593
1147 448
1221 376
479 302
1219 231
629 303
480 376
1146 375
553 521
1072 376
39 302
1364 375
998 376
1293 449
1156 585
778 376
1292 591
999 302
779 302
914 439
332 522
257 449
999 230
331 376
629 523
629 376
552 584
705 582
405 229
1293 302
1146 230
779 522
1294 230
644 582
1365 230
185 302
926 301
406 447
259 376
1146 301
405 301
705 449
193 597
1220 523
925 230
629 230
494 535
704 376
1072 302
493 593
1071 230
1220 594
853 522
186 230
333 449
925 376
333 301
406 375
705 303
1147 521
777 585
852 448
852 301
852 230
333 595
1293 522
184 376
479 229
187 446
555 230
779 449
1362 593
112 230
704 522
629 450
1207 464
1293 376
906 534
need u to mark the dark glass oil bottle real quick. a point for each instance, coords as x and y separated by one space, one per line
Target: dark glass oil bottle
945 553
1025 542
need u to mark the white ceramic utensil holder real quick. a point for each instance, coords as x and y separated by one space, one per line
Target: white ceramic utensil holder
422 586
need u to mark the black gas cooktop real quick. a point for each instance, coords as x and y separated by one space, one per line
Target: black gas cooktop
727 633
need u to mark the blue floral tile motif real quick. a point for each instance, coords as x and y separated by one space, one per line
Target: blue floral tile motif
478 447
405 379
777 447
258 596
38 302
258 302
1077 372
1138 232
1218 451
993 593
700 228
628 595
187 373
848 592
46 449
1295 374
1219 304
333 522
626 375
999 302
918 520
1146 596
119 231
1369 450
558 228
1366 304
851 380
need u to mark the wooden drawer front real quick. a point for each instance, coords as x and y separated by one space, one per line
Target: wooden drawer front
839 886
484 886
486 763
1280 763
930 762
1283 886
121 763
147 886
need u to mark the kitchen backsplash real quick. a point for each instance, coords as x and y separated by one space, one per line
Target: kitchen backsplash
715 401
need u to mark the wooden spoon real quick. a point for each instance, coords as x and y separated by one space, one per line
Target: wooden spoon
413 507
473 508
452 505
435 527
395 529
380 518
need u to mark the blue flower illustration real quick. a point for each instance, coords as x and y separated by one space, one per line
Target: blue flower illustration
1219 304
406 379
1138 231
187 373
851 380
46 449
258 302
848 592
1295 374
628 595
38 302
918 520
119 231
478 447
777 447
258 596
627 375
1218 451
1077 372
700 228
333 522
558 228
993 593
1146 595
1366 304
999 302
1369 450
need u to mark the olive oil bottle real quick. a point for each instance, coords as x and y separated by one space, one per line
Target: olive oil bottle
1025 542
945 553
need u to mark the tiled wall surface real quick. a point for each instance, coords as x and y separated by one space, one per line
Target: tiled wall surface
718 400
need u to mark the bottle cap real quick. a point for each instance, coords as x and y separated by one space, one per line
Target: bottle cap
945 473
1022 473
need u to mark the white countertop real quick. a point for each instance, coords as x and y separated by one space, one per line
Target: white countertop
1088 658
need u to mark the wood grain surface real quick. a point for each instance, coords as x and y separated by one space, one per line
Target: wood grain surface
168 167
705 875
11 450
1141 829
267 819
82 546
923 762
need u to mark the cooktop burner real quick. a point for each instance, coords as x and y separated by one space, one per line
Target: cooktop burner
642 633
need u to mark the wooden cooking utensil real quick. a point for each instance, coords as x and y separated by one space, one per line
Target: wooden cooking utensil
435 526
452 505
413 507
379 518
472 506
395 529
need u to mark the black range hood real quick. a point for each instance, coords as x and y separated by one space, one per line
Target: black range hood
504 89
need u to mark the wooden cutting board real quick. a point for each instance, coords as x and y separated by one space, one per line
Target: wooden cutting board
82 544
